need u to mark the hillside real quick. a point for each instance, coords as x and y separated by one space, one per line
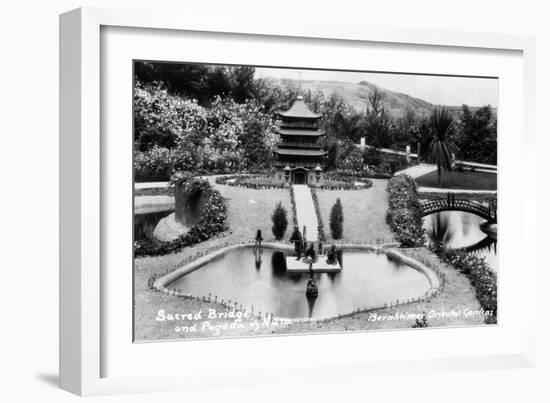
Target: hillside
357 95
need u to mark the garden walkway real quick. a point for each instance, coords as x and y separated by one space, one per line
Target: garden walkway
150 185
416 171
305 211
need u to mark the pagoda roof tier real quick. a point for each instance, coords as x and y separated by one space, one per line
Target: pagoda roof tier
299 132
299 109
300 152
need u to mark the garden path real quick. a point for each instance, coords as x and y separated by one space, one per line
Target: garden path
305 211
151 185
416 171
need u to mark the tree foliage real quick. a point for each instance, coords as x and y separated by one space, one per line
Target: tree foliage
478 135
280 221
220 119
404 214
405 130
442 147
337 220
224 137
378 122
349 126
201 82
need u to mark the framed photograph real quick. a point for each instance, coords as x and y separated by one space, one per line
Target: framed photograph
240 201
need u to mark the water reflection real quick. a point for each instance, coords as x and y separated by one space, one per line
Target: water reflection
461 230
368 279
145 224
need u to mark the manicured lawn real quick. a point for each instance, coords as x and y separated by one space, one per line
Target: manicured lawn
458 294
460 180
248 210
364 212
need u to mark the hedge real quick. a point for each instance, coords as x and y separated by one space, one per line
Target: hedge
337 220
320 225
212 222
482 277
404 214
293 203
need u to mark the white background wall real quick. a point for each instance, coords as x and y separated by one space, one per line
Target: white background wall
29 201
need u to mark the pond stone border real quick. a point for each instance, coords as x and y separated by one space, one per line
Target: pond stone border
433 275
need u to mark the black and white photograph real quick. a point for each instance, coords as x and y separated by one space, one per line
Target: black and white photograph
273 201
301 201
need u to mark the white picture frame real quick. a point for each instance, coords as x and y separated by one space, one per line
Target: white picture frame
83 300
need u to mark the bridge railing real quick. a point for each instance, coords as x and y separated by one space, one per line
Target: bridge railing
450 203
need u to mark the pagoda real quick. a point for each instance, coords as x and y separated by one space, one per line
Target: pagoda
299 158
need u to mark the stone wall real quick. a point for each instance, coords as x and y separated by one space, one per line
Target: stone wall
188 213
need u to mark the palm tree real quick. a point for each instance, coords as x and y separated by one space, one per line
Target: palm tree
442 146
350 126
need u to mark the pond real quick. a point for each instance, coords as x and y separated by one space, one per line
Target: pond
367 279
145 223
461 230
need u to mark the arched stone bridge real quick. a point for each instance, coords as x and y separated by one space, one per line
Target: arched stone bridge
451 203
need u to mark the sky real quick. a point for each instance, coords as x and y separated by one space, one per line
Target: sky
438 90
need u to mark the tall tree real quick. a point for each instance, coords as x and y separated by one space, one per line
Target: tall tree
404 130
349 126
242 78
442 146
280 222
478 135
332 154
257 153
378 122
337 220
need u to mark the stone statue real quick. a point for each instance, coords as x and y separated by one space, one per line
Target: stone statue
331 255
296 237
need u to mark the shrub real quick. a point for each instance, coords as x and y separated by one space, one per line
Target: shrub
345 179
223 137
418 323
189 188
213 221
363 174
353 161
373 156
280 222
160 118
337 220
332 154
404 214
293 203
345 148
320 225
156 164
480 274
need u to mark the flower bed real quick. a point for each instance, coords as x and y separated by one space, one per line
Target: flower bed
250 181
213 221
345 185
480 274
345 180
372 173
404 214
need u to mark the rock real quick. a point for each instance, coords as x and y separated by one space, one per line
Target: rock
169 229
